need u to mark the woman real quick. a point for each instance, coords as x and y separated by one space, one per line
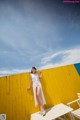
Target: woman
37 90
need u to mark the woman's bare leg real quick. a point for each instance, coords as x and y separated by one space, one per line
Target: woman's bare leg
39 98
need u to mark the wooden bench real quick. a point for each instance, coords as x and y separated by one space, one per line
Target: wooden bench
75 113
58 111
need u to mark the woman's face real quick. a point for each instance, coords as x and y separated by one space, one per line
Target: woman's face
33 70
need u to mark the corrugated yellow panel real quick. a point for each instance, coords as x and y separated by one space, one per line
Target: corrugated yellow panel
7 99
10 102
0 95
59 85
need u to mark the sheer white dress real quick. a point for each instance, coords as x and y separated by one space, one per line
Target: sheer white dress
36 83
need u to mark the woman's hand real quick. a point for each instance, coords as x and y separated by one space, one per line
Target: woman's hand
29 88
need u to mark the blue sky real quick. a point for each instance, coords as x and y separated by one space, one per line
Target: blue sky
41 33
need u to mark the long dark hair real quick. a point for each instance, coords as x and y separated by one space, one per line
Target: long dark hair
33 68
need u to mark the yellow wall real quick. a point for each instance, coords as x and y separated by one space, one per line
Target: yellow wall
59 85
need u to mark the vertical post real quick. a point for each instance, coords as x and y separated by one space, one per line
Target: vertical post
71 116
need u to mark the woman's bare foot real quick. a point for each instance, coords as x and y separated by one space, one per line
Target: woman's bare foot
43 113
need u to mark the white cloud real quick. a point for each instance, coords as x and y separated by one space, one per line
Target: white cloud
13 71
70 56
32 37
49 58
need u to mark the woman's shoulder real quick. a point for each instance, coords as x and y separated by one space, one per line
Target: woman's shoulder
31 74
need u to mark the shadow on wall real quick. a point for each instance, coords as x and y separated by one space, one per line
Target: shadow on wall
48 99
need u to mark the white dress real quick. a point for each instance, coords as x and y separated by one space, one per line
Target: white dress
36 83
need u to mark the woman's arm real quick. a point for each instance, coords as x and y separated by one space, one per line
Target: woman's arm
40 76
30 83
